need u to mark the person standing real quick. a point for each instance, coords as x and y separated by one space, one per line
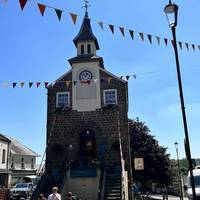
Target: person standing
55 195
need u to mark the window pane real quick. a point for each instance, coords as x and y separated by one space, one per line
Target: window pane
110 97
63 99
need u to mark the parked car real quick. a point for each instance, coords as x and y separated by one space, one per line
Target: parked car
21 190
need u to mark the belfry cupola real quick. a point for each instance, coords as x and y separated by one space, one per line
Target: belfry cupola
85 41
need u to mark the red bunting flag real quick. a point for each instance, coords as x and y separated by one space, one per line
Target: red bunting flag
111 28
41 8
14 85
158 40
88 82
165 39
180 44
46 84
100 24
38 84
142 36
74 17
22 3
131 34
150 38
58 13
122 31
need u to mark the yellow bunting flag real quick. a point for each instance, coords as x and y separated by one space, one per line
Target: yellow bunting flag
141 36
67 83
22 3
74 17
111 28
58 13
122 31
109 79
22 84
100 24
41 8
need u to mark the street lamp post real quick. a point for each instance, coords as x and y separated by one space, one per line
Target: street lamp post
171 11
179 172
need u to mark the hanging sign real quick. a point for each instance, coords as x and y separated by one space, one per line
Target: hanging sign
138 163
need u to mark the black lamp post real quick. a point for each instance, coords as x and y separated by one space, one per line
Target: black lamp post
179 172
171 11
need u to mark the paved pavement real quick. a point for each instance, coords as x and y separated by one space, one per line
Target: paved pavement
170 197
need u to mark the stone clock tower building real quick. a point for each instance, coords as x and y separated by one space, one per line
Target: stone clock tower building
87 127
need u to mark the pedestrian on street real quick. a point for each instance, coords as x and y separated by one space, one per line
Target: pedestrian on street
41 197
70 196
55 195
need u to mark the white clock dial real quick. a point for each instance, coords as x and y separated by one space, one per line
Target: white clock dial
85 75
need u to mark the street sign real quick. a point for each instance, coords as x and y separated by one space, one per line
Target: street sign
139 163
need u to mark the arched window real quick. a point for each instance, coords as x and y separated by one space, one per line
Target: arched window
4 156
82 49
88 48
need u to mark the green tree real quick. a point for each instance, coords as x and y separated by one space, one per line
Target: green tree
156 160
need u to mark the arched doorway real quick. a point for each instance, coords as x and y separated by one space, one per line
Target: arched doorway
87 144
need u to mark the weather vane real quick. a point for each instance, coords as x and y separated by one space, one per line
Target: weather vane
86 5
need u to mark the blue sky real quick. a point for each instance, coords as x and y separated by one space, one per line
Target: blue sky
35 48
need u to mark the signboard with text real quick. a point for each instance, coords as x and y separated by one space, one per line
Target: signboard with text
139 163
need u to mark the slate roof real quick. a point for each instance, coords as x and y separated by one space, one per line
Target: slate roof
19 149
3 138
86 33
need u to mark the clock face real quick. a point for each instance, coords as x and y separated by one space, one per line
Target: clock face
85 75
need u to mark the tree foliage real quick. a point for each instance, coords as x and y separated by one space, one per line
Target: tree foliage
156 160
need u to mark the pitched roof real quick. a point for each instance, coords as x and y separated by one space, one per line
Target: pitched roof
18 148
86 33
3 138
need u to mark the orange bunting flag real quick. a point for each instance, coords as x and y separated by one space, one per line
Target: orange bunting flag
150 38
122 31
22 84
180 44
38 84
193 46
30 84
46 84
165 39
58 13
41 8
22 3
111 28
100 24
186 44
131 34
158 40
142 36
14 85
109 79
74 17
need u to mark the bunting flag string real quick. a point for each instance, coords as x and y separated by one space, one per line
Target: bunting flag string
122 29
68 83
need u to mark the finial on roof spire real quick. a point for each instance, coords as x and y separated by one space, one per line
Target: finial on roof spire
86 7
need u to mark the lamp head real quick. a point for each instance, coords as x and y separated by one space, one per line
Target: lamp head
176 144
171 11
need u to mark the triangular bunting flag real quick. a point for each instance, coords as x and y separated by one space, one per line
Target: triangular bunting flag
109 79
134 76
5 1
198 47
165 39
6 84
58 13
111 28
173 44
186 44
158 40
22 3
122 31
74 82
14 85
121 77
142 36
180 44
127 77
131 34
38 84
46 84
150 38
67 83
41 8
88 82
22 84
74 17
193 46
30 84
100 24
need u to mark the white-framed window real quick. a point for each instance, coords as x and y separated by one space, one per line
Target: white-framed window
62 99
3 156
110 96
